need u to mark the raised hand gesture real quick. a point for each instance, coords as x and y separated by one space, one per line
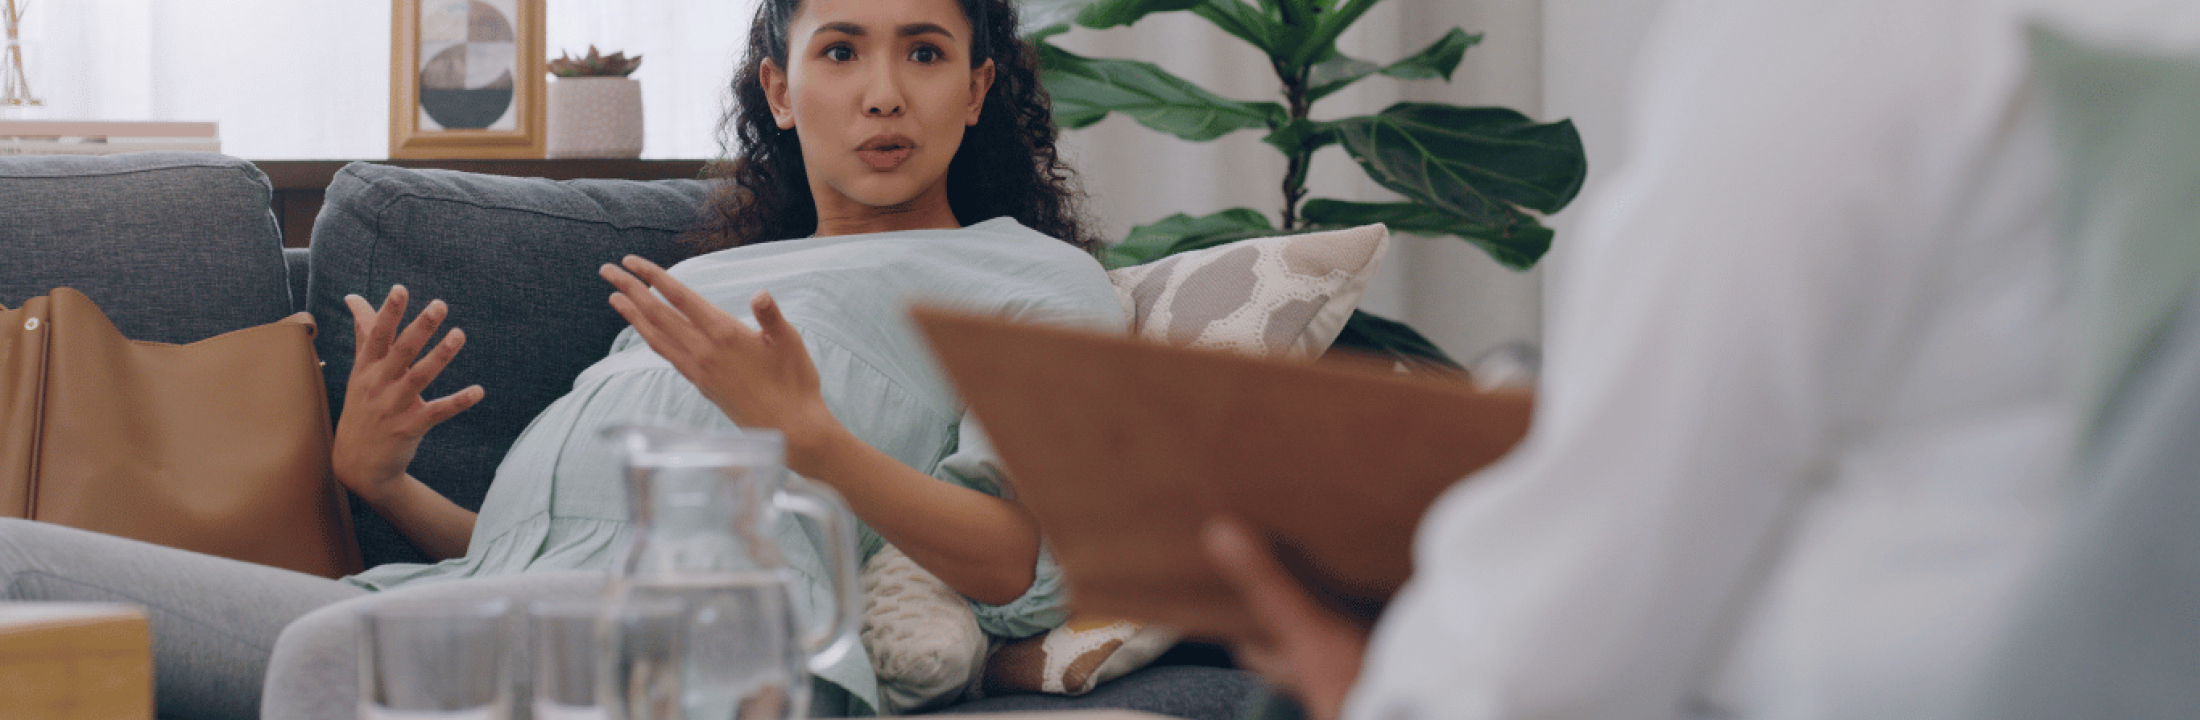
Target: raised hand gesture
761 377
385 417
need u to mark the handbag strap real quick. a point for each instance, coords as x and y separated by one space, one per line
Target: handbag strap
24 334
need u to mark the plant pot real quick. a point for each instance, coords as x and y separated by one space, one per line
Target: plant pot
595 117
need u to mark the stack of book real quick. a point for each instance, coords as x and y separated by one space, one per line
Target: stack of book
102 137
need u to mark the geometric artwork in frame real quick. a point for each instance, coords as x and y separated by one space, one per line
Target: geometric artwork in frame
466 79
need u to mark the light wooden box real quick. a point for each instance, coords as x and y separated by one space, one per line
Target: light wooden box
75 661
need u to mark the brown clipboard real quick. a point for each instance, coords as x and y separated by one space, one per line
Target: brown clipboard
1123 449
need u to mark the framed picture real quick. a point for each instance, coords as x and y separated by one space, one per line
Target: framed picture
466 79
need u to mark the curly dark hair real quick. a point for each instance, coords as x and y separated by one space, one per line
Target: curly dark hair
1007 164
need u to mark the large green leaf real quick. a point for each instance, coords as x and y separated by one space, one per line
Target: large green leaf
1114 13
1180 233
1335 74
1301 136
1372 335
1033 16
1301 12
1245 21
1320 42
1517 245
1037 36
1438 60
1086 90
1471 162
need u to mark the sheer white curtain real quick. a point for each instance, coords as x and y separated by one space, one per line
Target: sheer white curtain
294 80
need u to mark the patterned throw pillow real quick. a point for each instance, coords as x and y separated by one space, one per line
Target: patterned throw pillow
1074 658
1284 296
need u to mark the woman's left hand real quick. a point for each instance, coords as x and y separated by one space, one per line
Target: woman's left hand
760 377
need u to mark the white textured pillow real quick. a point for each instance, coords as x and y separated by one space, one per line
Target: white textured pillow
1285 296
924 642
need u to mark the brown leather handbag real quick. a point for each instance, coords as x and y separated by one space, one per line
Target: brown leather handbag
220 446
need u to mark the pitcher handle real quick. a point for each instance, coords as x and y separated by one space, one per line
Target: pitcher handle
836 636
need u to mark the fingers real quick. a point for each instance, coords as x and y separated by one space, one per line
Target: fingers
434 413
689 303
386 321
773 324
362 322
689 331
641 308
1274 597
429 367
415 336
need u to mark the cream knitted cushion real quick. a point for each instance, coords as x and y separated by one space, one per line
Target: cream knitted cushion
924 642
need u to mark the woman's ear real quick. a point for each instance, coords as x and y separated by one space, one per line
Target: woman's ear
775 93
981 81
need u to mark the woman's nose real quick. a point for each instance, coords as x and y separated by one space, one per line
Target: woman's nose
883 98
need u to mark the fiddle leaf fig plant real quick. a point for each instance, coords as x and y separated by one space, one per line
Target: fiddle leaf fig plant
1484 175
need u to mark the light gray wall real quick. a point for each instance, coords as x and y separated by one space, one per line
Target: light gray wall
1548 58
1590 49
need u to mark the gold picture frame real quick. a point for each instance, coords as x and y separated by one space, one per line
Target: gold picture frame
466 79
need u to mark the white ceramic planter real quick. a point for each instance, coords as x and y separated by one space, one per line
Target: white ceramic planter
595 117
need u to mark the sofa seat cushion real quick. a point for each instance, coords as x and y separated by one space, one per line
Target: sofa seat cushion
174 247
515 259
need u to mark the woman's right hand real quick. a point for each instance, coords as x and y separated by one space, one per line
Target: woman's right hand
384 415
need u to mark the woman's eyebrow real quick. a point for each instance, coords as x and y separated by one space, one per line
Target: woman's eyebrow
909 30
915 29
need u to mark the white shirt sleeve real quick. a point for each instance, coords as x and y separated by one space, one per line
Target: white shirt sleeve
1729 296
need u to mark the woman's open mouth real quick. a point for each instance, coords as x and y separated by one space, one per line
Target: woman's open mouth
886 152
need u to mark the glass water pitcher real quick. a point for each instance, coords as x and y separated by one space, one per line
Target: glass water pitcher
702 622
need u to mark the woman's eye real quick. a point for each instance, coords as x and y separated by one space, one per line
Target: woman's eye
924 54
840 53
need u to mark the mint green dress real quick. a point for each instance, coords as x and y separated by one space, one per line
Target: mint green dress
557 501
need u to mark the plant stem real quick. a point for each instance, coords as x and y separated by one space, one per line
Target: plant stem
1294 174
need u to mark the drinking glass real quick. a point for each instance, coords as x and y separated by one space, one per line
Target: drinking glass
423 661
565 637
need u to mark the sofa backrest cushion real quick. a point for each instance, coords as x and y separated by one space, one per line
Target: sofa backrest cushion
515 259
174 247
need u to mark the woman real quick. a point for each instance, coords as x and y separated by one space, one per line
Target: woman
852 118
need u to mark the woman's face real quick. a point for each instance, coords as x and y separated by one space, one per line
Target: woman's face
878 92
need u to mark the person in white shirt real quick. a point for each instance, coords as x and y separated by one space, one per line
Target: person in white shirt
1805 425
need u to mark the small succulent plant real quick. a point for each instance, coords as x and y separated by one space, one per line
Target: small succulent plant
595 65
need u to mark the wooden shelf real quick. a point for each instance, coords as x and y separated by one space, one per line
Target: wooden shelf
301 185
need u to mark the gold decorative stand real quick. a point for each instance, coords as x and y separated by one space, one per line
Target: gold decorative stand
18 87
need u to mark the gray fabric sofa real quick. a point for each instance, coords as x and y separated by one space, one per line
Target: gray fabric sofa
177 247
